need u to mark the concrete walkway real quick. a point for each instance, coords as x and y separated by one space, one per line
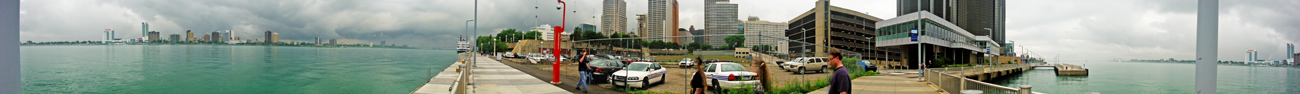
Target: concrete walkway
491 77
885 84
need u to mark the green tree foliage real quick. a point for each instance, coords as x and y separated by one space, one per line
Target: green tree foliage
485 43
734 41
534 35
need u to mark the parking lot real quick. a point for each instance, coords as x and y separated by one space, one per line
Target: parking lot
676 80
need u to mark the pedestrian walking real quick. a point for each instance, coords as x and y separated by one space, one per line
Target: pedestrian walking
839 83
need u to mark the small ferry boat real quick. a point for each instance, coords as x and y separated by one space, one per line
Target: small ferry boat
463 45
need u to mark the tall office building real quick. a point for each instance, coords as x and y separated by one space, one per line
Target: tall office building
383 42
268 37
1251 56
189 35
613 17
696 32
317 40
275 38
144 33
659 19
227 36
1290 48
334 42
675 23
971 15
720 18
773 32
641 25
175 38
216 37
206 38
108 35
589 27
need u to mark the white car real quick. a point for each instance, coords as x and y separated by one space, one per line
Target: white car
537 57
639 74
729 75
807 63
686 62
509 55
782 65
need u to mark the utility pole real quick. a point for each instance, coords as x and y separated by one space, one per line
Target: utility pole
1207 41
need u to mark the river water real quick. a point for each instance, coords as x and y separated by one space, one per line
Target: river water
225 69
1157 78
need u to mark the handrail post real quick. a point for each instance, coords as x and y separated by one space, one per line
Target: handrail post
1024 89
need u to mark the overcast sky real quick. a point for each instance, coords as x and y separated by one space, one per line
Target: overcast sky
1075 29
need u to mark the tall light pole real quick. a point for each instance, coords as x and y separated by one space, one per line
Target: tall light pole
555 67
474 58
986 48
1207 41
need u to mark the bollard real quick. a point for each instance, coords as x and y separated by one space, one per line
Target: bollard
1024 89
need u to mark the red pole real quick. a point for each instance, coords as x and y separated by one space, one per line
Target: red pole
555 67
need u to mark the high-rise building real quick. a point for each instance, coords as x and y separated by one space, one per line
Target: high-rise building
675 22
153 36
720 18
145 31
268 37
773 32
317 40
275 38
659 19
206 38
641 24
972 15
216 37
696 32
683 32
383 42
175 38
227 36
108 35
334 42
613 17
1290 48
189 36
1251 56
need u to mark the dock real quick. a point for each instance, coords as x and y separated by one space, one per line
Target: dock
1070 70
490 77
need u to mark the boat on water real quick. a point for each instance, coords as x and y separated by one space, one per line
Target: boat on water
463 45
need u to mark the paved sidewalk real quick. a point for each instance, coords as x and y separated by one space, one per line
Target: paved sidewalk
491 77
885 84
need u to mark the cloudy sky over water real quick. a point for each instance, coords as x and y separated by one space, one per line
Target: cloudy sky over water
1076 29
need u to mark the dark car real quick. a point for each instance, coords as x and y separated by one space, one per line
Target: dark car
867 66
602 68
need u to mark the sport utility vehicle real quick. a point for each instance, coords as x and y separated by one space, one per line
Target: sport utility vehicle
807 63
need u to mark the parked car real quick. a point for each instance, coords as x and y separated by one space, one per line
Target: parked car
784 64
630 60
537 57
639 74
648 60
602 68
686 62
867 66
508 55
728 75
810 63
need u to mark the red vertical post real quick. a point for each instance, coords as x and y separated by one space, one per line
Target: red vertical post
555 67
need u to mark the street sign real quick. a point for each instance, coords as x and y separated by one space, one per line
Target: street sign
914 35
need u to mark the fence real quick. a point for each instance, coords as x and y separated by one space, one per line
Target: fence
956 84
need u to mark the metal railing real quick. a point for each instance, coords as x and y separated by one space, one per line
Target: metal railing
956 84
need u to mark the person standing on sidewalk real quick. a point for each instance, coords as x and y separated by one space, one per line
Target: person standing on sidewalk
839 80
918 79
584 71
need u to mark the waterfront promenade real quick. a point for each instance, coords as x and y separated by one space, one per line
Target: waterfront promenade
888 84
490 77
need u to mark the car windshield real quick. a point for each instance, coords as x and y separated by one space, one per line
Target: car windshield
537 55
607 63
797 60
686 59
638 67
732 67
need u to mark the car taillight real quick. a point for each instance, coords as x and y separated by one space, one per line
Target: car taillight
597 69
731 77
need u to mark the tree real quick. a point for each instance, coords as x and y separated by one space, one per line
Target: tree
734 41
534 35
485 43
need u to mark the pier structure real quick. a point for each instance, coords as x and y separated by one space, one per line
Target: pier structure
490 77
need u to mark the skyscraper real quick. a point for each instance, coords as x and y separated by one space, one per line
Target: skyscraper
658 18
383 42
720 18
613 17
772 30
189 35
641 25
153 36
144 32
275 38
1290 48
317 40
206 38
972 15
675 22
216 37
108 35
268 37
334 42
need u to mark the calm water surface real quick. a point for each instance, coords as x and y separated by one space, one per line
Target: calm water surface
222 69
1158 78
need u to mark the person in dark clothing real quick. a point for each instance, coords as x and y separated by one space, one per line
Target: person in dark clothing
839 81
584 72
697 80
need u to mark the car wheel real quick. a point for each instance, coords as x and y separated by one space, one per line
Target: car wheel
801 70
823 69
718 89
662 77
645 83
